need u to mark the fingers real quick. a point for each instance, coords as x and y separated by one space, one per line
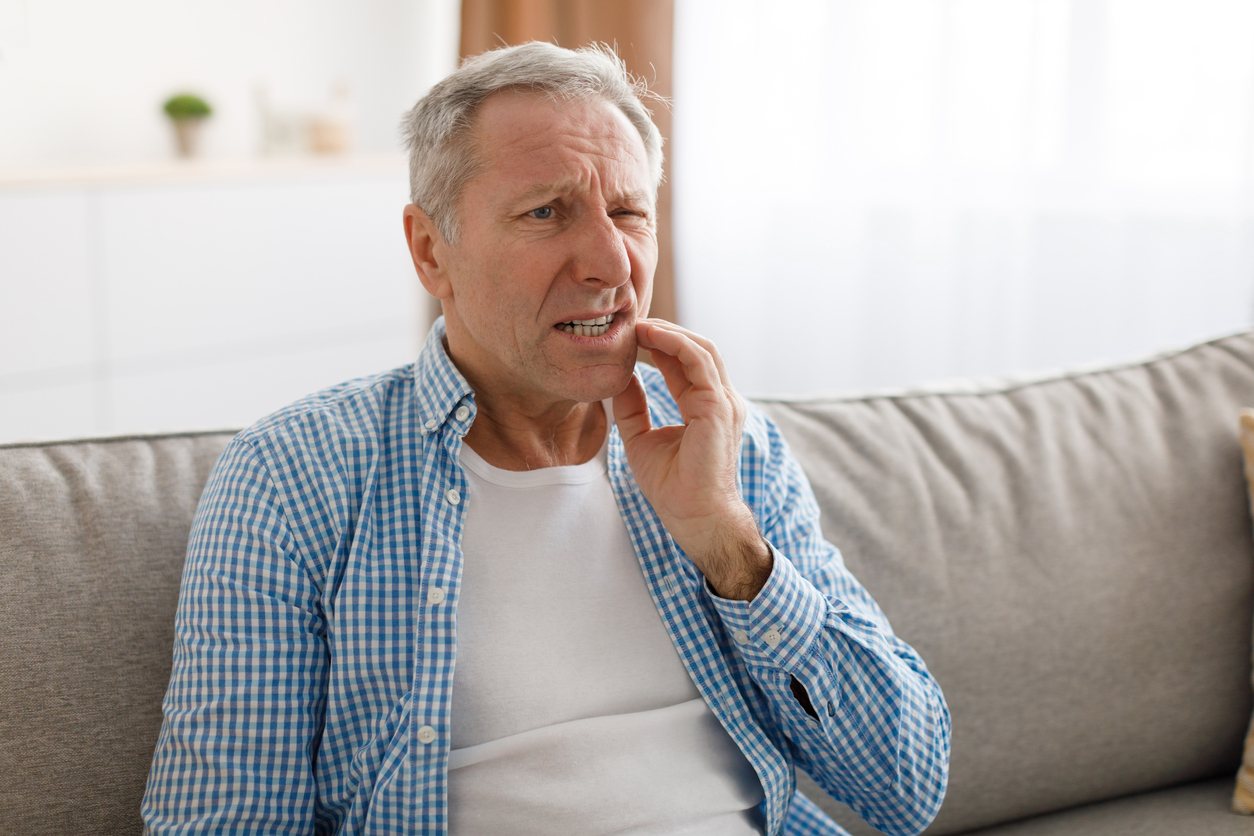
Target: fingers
698 365
631 411
688 360
704 342
672 372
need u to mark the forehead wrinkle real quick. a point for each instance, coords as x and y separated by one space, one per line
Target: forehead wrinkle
592 161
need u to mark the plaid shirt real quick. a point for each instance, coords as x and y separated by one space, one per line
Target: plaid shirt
316 630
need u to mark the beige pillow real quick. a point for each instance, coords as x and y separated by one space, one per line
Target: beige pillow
1243 796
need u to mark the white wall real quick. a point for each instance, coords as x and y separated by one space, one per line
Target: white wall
82 81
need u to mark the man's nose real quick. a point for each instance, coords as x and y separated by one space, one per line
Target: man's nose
601 256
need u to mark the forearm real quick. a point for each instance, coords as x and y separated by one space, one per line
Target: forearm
880 737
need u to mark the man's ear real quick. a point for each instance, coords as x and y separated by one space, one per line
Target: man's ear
428 250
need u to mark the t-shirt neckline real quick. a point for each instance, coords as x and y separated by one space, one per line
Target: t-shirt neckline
571 474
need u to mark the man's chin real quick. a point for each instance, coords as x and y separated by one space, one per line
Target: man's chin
604 382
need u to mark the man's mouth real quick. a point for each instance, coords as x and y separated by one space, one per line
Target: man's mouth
587 327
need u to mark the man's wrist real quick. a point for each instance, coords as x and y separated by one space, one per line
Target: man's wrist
738 562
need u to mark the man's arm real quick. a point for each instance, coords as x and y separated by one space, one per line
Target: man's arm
863 714
865 717
243 712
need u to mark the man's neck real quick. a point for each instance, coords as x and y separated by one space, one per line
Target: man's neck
513 439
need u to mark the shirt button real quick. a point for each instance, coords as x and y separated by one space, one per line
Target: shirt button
741 637
435 595
426 734
772 638
453 496
462 413
431 424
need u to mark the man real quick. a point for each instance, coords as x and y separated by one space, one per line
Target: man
525 586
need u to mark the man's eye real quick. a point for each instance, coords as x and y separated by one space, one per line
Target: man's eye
542 214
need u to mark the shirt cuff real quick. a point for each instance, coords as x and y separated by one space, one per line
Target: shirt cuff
780 625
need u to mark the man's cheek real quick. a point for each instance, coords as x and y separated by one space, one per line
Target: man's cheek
644 295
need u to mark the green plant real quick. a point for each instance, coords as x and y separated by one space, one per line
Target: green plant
186 106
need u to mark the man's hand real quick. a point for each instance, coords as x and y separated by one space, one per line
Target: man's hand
688 473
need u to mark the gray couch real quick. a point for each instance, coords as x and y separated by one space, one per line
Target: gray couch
1071 555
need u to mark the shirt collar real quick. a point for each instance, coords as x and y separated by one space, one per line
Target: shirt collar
443 394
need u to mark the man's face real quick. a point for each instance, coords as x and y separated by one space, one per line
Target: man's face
558 226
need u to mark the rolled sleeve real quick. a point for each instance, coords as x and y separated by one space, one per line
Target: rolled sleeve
777 630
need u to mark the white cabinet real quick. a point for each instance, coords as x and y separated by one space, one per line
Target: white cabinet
178 297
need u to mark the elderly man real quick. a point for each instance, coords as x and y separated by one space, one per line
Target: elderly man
525 586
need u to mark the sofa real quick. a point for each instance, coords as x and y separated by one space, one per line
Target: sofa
1071 554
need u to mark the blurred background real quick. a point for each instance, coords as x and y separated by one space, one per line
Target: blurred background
861 194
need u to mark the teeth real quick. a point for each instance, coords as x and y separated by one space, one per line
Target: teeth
588 327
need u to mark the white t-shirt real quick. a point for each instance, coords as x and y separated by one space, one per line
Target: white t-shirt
572 712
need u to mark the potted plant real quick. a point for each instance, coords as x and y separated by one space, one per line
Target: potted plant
187 112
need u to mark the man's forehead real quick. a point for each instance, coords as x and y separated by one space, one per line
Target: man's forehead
545 147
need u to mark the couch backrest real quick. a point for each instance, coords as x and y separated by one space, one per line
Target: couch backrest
1073 559
92 537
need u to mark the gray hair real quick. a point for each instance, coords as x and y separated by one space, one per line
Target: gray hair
437 131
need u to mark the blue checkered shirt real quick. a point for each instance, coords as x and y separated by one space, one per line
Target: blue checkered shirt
313 675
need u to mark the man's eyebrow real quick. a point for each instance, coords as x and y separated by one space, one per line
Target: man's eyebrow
545 190
644 196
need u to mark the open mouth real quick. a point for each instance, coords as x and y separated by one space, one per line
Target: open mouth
587 327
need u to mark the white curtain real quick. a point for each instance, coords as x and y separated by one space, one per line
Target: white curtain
875 193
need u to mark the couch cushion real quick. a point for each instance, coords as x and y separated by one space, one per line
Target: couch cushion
1198 809
92 536
1073 559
